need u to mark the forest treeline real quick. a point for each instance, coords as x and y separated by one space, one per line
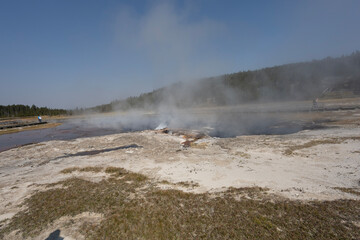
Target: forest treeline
25 111
297 81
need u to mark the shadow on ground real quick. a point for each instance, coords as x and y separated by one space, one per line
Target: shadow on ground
94 152
55 235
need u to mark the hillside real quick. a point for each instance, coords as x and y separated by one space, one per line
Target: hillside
329 77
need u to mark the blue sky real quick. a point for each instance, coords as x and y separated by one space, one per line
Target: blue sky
68 54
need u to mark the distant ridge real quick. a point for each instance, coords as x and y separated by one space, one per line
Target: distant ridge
296 81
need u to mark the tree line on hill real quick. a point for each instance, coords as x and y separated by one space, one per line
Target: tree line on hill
296 81
25 111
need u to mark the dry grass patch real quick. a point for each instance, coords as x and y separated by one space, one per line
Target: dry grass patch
116 172
91 169
248 193
165 182
69 170
198 145
84 169
243 154
173 214
188 184
354 121
312 143
137 177
127 176
355 191
290 150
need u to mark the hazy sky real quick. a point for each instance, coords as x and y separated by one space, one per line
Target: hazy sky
70 53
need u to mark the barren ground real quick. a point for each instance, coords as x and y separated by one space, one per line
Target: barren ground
302 169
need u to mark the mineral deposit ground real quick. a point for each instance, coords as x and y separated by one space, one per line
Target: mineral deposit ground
181 184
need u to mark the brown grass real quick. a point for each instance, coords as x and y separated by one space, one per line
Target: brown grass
165 182
354 121
85 169
290 150
116 172
355 191
198 145
173 214
243 154
188 184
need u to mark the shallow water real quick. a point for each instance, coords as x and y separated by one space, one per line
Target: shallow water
219 124
66 131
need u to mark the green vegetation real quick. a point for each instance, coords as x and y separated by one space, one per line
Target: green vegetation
330 77
25 111
137 209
